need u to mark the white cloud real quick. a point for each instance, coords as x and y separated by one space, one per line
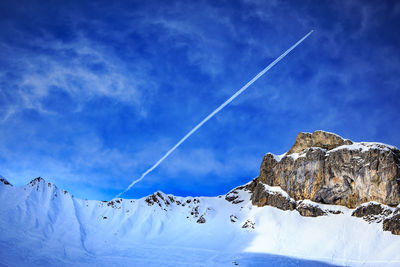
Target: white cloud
39 73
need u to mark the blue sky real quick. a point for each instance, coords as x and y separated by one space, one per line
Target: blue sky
92 93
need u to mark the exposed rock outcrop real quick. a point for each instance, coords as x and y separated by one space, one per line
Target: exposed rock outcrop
309 210
392 224
326 168
248 224
233 218
36 181
4 181
263 195
320 139
157 198
201 220
234 196
372 212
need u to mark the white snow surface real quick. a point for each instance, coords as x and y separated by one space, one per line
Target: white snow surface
42 225
364 146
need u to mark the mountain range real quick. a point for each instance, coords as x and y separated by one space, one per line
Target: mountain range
327 201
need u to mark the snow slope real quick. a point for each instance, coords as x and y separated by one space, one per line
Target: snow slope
42 225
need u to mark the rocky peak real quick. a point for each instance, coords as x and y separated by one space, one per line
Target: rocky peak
160 199
39 182
36 181
320 139
341 173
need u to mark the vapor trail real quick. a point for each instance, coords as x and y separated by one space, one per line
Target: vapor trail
241 90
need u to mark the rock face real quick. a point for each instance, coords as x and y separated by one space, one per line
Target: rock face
372 212
263 195
371 209
392 224
326 168
320 139
309 210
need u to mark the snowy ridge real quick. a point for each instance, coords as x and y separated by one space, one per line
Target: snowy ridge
327 133
294 156
44 225
360 146
277 157
365 146
376 203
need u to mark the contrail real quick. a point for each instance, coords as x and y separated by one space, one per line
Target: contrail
241 90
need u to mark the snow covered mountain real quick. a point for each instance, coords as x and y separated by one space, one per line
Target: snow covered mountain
42 225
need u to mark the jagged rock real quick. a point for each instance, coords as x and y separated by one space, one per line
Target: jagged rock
157 198
116 204
35 181
4 181
201 219
171 199
320 139
392 224
262 196
195 211
234 197
329 173
248 224
39 182
310 210
233 218
372 212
